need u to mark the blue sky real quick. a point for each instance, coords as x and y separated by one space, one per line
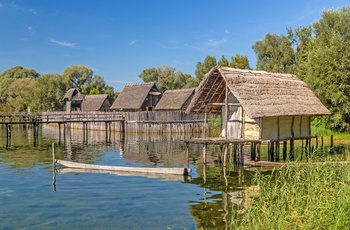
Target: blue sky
118 39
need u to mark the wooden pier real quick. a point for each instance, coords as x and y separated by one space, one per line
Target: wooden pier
237 148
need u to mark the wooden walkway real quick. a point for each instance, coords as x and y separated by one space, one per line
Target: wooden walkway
237 148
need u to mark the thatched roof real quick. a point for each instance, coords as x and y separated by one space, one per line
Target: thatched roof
133 96
260 93
175 99
73 94
96 102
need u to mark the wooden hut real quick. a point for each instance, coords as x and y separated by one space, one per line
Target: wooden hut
73 100
98 102
257 104
137 97
175 100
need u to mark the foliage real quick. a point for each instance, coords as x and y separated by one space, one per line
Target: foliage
239 62
79 77
223 61
16 86
166 78
48 93
205 67
327 70
23 90
298 197
275 54
214 125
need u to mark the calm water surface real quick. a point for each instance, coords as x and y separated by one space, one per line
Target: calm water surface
85 200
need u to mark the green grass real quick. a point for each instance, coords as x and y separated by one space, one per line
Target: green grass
295 197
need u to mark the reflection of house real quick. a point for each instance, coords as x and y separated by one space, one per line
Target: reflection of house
73 100
137 97
260 105
98 102
175 100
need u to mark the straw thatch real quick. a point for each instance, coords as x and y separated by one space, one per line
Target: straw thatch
73 94
175 99
261 94
133 96
97 102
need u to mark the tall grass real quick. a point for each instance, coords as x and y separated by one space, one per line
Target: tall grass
315 196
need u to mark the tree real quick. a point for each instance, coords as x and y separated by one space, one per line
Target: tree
328 65
13 91
48 93
205 67
223 61
275 54
79 77
19 100
165 77
240 62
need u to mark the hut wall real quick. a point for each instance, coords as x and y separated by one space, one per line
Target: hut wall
234 119
251 128
274 128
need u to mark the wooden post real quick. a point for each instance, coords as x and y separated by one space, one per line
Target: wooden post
291 150
220 153
204 153
53 167
226 111
307 148
284 150
252 151
187 155
225 155
277 155
205 122
331 150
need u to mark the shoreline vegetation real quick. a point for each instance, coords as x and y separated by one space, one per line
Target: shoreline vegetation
297 197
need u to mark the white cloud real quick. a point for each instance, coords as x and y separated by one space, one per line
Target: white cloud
215 43
133 42
62 43
23 9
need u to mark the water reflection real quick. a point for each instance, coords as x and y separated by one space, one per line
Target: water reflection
221 188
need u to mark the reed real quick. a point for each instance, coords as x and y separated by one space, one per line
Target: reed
296 197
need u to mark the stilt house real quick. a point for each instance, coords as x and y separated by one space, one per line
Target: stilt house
73 100
137 97
175 100
98 102
257 104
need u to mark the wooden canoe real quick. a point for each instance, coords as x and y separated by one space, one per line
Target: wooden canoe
174 171
167 177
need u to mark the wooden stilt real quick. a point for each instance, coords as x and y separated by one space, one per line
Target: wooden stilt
291 150
284 150
225 155
204 153
331 150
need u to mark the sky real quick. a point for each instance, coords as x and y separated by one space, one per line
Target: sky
118 39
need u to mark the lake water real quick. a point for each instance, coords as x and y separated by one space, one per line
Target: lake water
84 200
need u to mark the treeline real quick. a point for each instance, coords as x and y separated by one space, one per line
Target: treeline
23 90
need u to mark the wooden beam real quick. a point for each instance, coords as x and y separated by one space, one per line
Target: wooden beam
223 104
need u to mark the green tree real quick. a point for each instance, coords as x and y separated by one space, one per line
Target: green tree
10 97
20 93
223 61
165 77
328 65
239 62
275 54
48 93
205 67
79 77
